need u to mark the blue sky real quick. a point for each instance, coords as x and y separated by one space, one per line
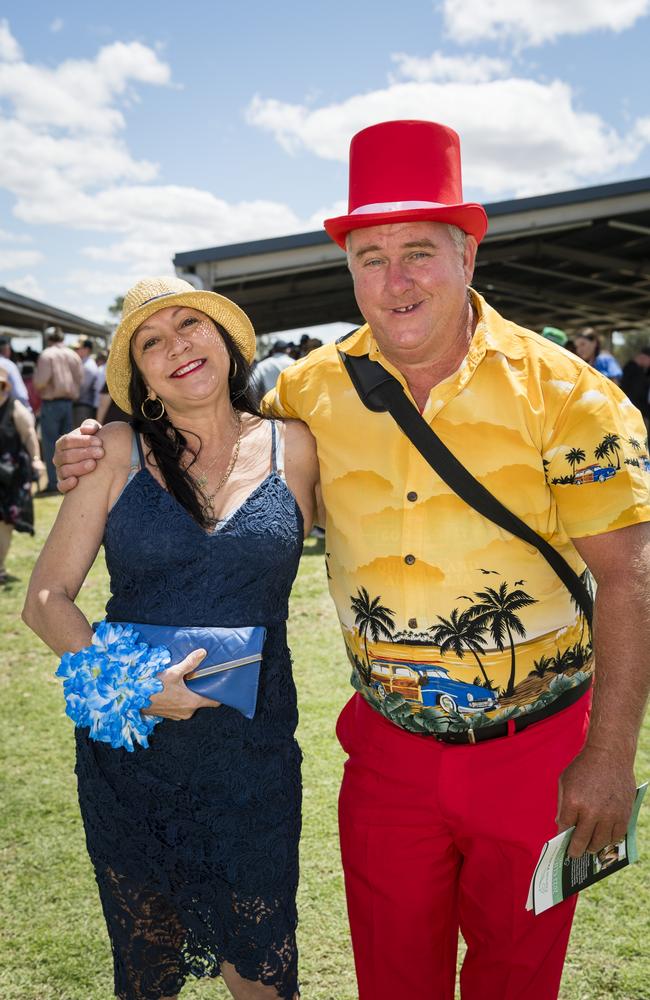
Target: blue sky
131 131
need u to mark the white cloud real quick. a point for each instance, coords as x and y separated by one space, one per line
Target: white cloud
28 285
79 95
56 25
12 259
518 136
66 163
438 66
10 50
592 396
158 221
7 237
60 130
561 386
530 22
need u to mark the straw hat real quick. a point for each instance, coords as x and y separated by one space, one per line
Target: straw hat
406 171
148 297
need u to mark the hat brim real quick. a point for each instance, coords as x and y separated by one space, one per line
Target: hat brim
220 309
469 217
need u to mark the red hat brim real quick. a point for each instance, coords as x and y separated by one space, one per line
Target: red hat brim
469 217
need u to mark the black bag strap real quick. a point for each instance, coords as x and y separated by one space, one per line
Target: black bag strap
379 391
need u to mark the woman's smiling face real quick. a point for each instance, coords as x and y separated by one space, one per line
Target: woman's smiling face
181 356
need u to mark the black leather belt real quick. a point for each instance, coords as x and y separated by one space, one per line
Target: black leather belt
520 721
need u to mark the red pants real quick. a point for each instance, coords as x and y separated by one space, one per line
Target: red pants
438 838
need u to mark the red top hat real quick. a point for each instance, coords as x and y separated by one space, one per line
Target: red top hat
406 171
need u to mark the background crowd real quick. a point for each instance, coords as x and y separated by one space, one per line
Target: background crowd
42 396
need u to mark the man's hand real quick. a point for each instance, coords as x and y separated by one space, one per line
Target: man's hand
76 454
597 792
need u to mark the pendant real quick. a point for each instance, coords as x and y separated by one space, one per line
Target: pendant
208 509
201 481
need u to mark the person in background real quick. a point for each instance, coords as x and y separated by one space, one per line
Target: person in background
588 347
555 335
58 377
17 386
635 382
28 378
86 406
20 459
267 371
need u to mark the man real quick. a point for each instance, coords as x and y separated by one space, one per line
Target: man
458 633
57 378
266 373
18 387
86 406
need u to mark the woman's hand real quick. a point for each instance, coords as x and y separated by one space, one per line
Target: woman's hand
176 701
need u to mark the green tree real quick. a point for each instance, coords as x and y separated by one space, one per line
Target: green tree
116 308
574 456
460 632
498 612
371 616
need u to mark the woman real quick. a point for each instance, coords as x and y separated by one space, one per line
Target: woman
20 458
194 840
587 344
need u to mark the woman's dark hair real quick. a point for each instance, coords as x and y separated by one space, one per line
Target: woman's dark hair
168 442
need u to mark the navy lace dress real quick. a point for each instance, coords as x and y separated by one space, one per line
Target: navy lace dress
194 841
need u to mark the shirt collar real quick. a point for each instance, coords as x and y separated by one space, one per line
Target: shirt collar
493 334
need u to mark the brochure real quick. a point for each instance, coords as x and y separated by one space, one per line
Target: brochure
558 876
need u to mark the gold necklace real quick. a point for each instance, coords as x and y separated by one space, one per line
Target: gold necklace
208 506
202 479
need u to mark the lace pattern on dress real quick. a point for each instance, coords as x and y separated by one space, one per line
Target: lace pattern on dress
194 841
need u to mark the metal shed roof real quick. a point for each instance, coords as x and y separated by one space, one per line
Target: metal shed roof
565 259
17 312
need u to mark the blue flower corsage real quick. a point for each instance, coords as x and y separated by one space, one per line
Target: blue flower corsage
108 683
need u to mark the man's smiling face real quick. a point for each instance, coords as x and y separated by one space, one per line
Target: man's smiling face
410 282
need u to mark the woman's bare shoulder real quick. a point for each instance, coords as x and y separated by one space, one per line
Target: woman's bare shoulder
117 439
300 452
298 437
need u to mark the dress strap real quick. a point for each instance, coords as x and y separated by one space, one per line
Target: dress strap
137 454
277 447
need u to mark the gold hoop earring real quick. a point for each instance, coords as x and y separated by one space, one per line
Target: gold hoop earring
152 399
232 373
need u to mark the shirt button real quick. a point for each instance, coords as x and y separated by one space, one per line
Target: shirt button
409 559
412 496
413 623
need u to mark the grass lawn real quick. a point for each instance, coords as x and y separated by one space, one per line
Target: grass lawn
53 941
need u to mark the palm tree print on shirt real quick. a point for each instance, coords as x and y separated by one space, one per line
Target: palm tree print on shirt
461 632
373 617
609 446
574 457
498 613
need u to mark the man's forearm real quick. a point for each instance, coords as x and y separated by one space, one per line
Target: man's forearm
622 656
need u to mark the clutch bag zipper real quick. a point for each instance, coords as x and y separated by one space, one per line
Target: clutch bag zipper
218 668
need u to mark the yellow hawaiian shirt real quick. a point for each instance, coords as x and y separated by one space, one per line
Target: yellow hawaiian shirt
450 622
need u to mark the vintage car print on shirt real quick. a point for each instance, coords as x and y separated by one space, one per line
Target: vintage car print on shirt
428 685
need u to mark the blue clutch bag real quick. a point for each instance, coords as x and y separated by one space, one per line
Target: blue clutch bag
231 669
